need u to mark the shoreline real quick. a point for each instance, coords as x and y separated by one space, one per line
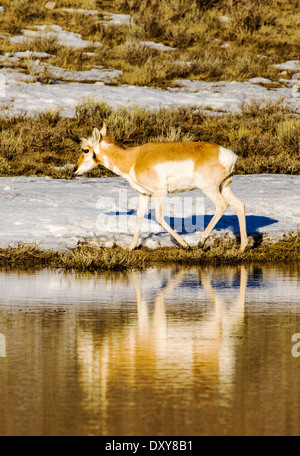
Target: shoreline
87 258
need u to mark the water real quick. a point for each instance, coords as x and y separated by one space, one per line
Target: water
177 352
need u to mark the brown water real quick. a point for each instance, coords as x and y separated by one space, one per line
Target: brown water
162 352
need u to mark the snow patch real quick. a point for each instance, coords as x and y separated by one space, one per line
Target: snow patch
116 19
81 11
23 95
157 46
29 55
290 65
260 81
63 37
58 214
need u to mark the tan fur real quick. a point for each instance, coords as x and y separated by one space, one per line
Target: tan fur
80 160
152 153
118 156
204 155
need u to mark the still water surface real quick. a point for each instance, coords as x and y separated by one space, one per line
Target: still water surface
162 352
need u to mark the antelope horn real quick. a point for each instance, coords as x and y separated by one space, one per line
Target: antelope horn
74 138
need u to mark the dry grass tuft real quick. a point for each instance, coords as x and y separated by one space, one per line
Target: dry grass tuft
86 258
265 136
257 34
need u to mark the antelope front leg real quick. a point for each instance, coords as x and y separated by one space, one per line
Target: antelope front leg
141 210
159 205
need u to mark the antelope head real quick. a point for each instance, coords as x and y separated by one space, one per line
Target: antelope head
91 150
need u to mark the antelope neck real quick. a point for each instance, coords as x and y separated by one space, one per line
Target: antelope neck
116 158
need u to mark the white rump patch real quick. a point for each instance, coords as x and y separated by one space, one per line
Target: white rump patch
227 158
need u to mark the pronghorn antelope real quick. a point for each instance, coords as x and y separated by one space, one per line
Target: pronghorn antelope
156 169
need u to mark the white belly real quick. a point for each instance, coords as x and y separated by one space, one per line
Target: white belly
171 177
176 185
177 176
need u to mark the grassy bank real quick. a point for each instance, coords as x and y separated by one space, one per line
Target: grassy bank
84 258
265 136
255 35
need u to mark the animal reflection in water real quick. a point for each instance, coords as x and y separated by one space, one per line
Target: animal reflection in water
167 342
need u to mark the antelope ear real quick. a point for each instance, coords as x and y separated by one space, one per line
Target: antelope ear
103 129
96 135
